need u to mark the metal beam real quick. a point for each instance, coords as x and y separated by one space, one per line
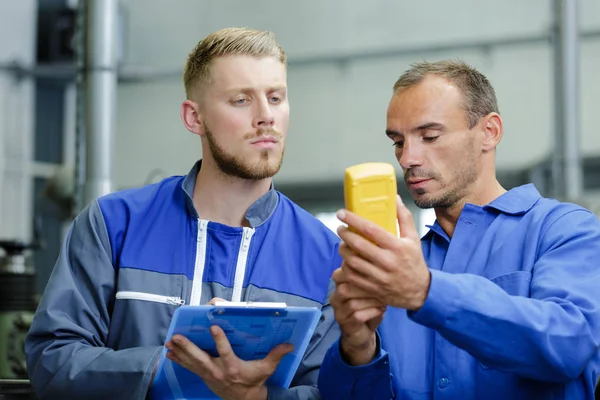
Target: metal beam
133 74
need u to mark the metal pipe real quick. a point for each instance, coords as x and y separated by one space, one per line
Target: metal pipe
557 163
567 166
570 92
80 59
136 74
98 74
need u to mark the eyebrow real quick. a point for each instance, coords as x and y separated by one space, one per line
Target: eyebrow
429 125
250 90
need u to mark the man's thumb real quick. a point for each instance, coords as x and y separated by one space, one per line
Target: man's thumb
277 353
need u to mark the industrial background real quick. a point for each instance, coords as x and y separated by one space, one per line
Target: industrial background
90 94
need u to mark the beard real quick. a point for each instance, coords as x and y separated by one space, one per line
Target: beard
236 166
449 197
463 176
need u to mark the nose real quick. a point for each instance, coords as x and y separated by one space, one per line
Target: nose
263 115
410 155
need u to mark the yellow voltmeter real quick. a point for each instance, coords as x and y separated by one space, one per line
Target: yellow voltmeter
370 191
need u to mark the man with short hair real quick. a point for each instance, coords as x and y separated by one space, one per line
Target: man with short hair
132 257
499 300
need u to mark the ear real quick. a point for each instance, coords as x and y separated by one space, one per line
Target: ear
190 115
492 131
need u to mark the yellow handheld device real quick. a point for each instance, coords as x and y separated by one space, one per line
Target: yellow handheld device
370 191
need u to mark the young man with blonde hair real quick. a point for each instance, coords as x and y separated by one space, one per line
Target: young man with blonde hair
132 257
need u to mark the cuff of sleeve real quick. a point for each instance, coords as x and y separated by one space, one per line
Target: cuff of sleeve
339 380
292 393
440 303
149 375
275 393
380 361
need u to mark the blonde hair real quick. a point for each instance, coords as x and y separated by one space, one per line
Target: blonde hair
227 42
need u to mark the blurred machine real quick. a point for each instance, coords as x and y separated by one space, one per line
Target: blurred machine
17 306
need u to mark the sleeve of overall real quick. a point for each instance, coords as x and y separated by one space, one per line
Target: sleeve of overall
65 347
550 336
339 380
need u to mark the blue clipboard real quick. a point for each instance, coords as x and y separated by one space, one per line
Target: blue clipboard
253 329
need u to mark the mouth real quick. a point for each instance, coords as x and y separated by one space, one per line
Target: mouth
265 142
417 182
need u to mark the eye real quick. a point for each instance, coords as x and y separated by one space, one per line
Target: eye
430 139
275 99
399 144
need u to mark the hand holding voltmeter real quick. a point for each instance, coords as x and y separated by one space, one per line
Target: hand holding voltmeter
383 262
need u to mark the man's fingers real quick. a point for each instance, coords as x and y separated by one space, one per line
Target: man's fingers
406 223
278 352
215 299
362 304
373 323
365 228
364 283
355 263
223 346
357 243
357 247
268 365
339 276
348 310
186 349
364 276
188 355
171 355
347 291
367 314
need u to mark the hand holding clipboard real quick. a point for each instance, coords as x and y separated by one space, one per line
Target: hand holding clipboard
252 332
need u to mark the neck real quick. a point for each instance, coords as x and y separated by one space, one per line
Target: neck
448 217
225 199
